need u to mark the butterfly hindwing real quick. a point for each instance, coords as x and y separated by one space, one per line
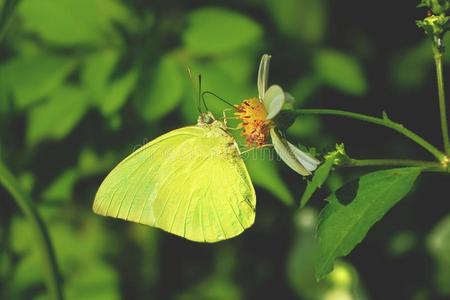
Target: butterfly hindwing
191 182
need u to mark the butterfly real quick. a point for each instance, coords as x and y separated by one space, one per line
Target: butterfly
191 182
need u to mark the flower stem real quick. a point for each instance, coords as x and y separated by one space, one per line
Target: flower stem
386 122
441 94
426 165
40 231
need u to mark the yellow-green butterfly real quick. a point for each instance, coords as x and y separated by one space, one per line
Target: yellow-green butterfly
191 182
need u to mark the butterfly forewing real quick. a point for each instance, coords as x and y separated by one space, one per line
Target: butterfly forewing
190 182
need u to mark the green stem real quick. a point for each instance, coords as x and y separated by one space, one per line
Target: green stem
40 231
426 165
441 94
379 121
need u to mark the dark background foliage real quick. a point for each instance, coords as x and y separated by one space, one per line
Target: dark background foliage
83 83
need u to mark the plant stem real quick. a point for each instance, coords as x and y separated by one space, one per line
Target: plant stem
43 240
441 94
426 165
379 121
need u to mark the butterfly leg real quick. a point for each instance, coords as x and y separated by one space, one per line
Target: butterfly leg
226 117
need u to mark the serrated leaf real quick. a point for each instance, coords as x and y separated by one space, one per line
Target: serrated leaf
164 91
264 173
68 22
213 31
55 118
340 71
30 78
319 177
343 226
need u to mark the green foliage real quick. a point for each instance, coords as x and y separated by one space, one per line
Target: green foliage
410 68
55 118
73 22
342 282
436 6
83 82
319 177
305 20
438 243
31 78
343 224
402 243
164 90
105 91
264 173
118 92
340 71
62 187
213 31
7 10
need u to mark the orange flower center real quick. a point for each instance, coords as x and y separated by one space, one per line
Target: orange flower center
254 122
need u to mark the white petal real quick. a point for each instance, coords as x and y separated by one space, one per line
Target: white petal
309 162
273 100
284 150
263 75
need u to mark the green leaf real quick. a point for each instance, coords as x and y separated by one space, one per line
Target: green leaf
213 31
438 244
96 280
264 173
342 226
342 283
319 177
97 71
304 20
402 242
340 71
55 118
6 13
164 92
61 189
30 78
118 93
410 67
305 88
90 163
107 93
69 22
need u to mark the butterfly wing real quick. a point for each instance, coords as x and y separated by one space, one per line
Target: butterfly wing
191 182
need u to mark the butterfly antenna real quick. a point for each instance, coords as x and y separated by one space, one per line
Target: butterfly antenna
218 97
196 97
200 94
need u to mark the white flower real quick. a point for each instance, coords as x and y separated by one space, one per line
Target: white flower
257 115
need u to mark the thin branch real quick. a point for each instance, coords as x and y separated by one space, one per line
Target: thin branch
441 94
382 122
40 231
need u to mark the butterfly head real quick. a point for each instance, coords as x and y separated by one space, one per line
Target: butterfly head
206 118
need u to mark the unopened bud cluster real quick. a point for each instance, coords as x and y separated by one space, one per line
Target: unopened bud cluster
437 23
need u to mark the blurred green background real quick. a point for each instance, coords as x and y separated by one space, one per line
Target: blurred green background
84 82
